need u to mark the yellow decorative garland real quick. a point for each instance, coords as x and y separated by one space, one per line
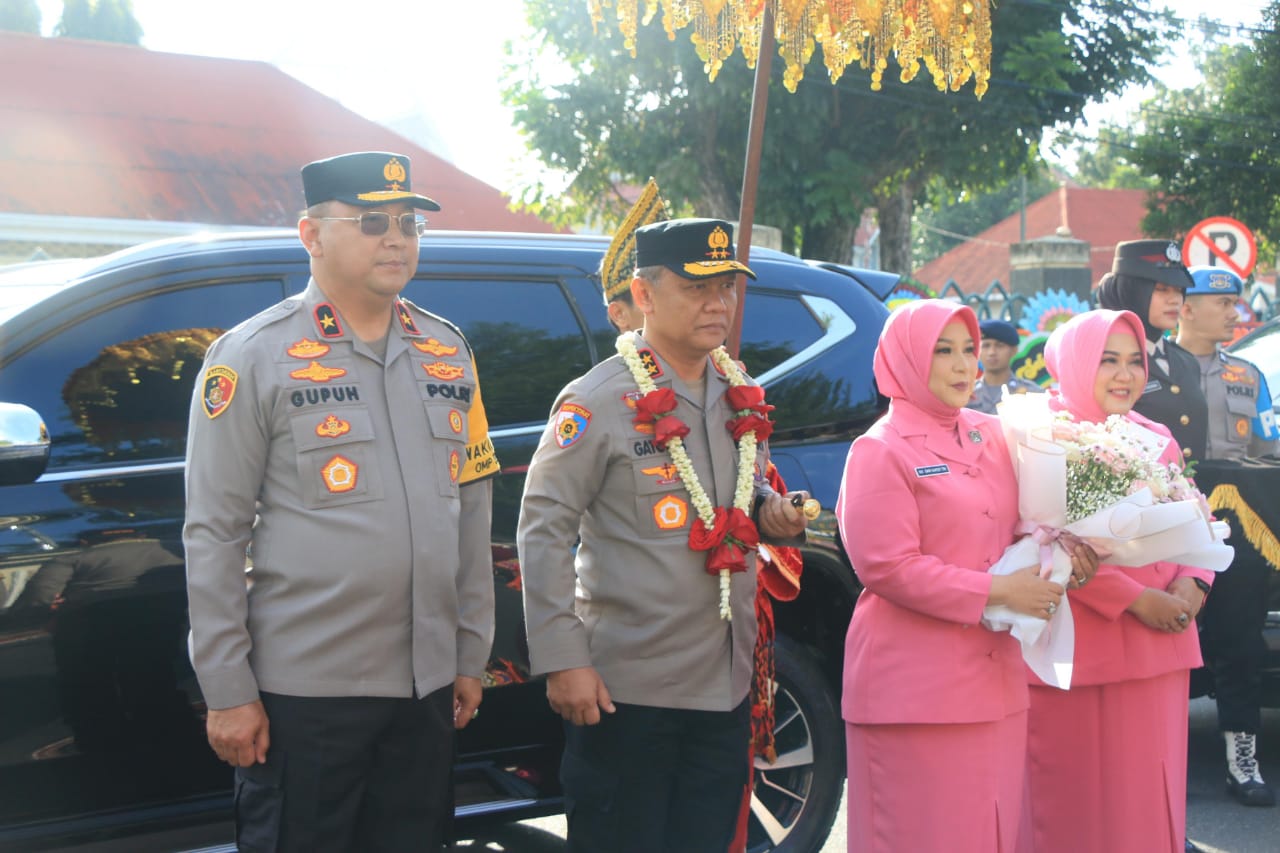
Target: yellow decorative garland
1255 530
744 488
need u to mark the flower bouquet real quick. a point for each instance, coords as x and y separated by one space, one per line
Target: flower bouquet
1103 483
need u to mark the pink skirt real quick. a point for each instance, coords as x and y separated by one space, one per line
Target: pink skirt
1107 767
932 787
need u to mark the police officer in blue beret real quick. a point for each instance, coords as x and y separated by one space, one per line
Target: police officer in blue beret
999 345
1241 426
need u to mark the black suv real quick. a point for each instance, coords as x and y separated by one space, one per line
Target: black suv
101 719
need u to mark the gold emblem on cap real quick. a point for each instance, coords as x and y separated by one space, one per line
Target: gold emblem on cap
718 243
395 173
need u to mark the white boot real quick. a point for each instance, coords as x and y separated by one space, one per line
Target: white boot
1244 781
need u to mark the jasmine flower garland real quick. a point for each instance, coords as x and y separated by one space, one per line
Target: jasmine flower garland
728 535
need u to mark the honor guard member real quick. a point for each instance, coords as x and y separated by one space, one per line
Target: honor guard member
1147 277
646 629
999 345
1241 425
339 437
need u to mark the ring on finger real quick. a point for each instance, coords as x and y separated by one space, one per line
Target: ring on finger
1051 609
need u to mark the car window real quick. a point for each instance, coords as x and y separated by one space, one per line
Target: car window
116 387
774 328
527 339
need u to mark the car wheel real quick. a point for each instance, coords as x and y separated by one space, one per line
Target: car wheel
794 800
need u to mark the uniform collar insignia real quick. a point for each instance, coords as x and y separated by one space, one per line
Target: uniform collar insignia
406 319
327 322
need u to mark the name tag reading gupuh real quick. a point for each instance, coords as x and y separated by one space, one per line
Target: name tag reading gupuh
932 471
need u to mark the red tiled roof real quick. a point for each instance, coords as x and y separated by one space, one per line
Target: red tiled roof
104 130
1101 218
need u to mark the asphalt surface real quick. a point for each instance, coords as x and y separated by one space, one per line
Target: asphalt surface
1214 821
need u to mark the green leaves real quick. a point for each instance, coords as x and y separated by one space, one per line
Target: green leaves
587 107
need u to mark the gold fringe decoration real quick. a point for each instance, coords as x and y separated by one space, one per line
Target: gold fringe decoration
952 38
618 266
1255 530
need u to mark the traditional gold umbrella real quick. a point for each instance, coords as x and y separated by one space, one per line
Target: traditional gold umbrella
951 38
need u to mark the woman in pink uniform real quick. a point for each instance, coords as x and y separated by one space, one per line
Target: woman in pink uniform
934 704
1107 760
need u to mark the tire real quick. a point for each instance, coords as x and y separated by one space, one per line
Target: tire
794 802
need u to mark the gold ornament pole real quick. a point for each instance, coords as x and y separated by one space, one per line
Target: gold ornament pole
751 171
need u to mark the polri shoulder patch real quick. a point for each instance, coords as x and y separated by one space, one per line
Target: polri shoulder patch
571 423
218 389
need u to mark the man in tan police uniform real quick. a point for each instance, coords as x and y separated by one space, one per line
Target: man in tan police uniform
340 437
630 625
1241 425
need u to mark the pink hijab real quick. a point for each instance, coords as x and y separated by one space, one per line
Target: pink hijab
904 354
1074 352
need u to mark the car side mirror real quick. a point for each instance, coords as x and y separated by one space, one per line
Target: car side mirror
24 444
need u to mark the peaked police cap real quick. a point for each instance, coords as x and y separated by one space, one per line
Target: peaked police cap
364 179
1154 260
692 248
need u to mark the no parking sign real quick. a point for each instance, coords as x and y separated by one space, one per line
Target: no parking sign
1221 241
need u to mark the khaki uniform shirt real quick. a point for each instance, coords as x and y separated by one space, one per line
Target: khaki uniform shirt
1241 420
359 485
986 396
634 601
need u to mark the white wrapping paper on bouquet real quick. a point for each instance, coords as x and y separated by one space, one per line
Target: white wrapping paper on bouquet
1132 532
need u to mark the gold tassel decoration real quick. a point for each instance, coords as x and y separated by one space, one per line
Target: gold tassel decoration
618 264
1255 530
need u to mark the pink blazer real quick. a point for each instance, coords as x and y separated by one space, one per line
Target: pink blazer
1113 645
922 519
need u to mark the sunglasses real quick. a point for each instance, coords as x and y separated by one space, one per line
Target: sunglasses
376 224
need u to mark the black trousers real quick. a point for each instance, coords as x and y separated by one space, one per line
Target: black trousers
656 780
348 774
1231 635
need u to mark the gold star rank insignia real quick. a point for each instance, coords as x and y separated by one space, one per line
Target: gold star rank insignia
327 321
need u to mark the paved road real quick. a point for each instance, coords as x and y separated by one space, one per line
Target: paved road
1215 821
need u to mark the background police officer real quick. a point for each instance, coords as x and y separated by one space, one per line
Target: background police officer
340 436
1241 424
999 345
651 680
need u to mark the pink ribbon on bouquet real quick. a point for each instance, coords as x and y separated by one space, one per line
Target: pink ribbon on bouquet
1045 536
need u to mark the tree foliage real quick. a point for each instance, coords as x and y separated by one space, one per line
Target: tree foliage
1214 148
20 16
1108 163
600 116
100 20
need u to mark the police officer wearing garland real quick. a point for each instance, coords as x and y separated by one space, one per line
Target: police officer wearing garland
1147 277
650 676
999 345
340 438
1241 426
